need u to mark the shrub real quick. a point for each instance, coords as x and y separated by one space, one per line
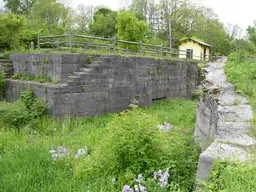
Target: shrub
135 146
22 111
132 145
15 114
35 106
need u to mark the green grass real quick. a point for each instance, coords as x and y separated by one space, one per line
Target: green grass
26 164
185 116
228 177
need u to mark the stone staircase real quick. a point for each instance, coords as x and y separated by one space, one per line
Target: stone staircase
75 77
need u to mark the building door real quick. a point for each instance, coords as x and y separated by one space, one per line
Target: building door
189 53
204 53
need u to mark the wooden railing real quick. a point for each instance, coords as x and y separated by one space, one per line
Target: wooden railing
81 42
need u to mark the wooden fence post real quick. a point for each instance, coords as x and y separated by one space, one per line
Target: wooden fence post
38 41
201 56
141 51
58 44
178 53
114 45
161 50
32 46
70 40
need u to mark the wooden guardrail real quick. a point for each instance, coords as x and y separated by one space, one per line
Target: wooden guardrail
82 42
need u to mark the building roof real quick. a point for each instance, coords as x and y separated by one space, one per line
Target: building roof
200 42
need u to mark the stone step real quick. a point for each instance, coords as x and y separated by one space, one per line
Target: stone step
73 79
93 65
85 70
79 73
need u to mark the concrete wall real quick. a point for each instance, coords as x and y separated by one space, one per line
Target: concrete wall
223 121
97 84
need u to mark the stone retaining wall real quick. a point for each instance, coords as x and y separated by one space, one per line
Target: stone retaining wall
97 84
223 120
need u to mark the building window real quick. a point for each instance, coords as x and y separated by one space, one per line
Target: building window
189 53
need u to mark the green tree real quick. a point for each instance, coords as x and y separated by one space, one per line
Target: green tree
19 6
49 16
83 18
143 9
104 23
130 28
251 30
10 29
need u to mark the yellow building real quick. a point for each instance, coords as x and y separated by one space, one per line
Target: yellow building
194 49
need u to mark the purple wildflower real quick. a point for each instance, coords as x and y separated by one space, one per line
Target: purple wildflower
126 188
155 175
59 148
142 188
162 177
165 127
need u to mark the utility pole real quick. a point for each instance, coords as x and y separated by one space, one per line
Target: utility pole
170 23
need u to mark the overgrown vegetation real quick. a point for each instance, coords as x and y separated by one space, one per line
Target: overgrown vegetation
23 111
114 148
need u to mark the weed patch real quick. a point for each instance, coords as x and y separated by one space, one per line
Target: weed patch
101 153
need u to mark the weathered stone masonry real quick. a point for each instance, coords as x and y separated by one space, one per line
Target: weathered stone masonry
96 84
223 121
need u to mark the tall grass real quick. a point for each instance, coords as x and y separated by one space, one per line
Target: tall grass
27 165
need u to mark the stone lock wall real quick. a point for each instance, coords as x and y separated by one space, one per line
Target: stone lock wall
223 121
96 84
